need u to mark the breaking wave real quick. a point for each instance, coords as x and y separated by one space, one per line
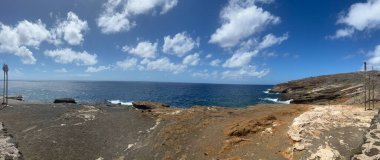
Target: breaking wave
275 100
267 92
120 102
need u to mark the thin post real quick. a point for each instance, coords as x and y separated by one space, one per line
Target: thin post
4 89
369 89
373 89
5 95
6 98
365 85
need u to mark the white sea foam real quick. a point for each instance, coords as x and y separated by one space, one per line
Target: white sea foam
275 100
120 102
267 92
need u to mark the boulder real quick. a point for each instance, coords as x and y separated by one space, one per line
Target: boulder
64 100
149 105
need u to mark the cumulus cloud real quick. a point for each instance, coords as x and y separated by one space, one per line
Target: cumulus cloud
191 60
26 35
92 69
144 49
374 56
248 71
363 15
179 45
270 40
241 19
16 40
341 33
360 16
118 14
215 62
127 64
71 30
239 59
163 64
67 55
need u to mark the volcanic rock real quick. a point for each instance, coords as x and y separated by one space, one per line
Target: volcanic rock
149 105
64 100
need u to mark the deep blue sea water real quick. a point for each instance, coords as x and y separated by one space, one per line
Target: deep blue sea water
174 94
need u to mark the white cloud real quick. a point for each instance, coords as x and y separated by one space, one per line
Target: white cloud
143 49
114 17
97 69
163 64
239 59
241 19
19 40
16 40
360 16
363 15
341 33
179 45
215 62
140 7
208 56
117 14
191 60
127 63
270 40
248 71
62 70
67 55
374 56
71 30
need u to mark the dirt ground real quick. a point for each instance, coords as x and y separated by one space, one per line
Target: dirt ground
50 131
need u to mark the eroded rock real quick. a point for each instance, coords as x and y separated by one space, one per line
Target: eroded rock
149 105
8 149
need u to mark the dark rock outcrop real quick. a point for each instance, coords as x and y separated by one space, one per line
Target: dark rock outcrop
329 89
149 105
19 98
65 100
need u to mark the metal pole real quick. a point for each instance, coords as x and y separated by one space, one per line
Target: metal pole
4 89
7 90
373 89
369 89
365 85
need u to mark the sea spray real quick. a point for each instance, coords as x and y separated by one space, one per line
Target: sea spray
120 102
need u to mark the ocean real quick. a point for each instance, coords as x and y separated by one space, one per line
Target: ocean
174 94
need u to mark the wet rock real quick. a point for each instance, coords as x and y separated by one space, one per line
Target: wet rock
149 105
65 100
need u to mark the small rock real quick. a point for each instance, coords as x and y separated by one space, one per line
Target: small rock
64 100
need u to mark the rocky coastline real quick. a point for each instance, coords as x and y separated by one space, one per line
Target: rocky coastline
324 121
346 88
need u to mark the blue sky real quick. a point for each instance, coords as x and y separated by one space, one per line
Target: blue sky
214 41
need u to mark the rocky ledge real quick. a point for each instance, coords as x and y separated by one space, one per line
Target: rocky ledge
344 88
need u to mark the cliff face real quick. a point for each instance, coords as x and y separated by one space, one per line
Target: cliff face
344 88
